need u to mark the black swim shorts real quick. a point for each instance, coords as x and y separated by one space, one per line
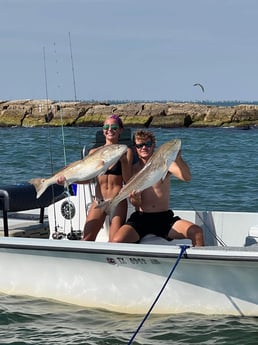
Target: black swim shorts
157 223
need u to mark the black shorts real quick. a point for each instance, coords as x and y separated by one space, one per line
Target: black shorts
157 223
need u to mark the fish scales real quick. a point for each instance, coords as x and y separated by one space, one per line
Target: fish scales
91 166
155 170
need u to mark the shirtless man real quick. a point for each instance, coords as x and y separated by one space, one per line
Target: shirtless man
152 215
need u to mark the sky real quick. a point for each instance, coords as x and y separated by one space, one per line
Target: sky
129 50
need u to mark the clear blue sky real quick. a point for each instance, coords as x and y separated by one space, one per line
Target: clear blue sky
129 49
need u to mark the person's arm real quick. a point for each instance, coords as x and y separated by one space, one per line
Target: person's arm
127 164
180 169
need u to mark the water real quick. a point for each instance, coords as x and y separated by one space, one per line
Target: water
224 162
33 321
224 166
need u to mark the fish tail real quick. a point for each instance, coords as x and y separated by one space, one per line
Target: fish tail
108 206
105 206
40 185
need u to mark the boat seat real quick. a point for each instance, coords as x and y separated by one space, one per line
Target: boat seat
22 197
125 138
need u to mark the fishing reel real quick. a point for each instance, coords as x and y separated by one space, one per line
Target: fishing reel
75 235
57 235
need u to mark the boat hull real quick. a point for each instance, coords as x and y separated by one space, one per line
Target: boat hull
127 278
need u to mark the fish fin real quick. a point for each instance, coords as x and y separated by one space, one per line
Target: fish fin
39 184
164 175
100 163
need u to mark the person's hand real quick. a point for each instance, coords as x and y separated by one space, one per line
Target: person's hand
135 198
61 180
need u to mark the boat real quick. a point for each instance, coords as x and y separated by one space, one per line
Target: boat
220 278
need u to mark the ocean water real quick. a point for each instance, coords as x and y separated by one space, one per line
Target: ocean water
33 321
223 162
224 165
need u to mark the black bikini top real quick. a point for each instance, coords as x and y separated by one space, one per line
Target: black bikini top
115 170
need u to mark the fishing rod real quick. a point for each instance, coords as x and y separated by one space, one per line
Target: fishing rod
47 118
75 234
71 54
60 107
74 82
69 205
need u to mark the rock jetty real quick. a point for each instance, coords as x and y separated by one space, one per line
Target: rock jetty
32 113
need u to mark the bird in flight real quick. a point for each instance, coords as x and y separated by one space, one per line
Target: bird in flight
197 84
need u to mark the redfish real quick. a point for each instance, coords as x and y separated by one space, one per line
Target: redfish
92 165
155 170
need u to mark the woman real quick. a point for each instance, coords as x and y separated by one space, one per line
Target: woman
109 184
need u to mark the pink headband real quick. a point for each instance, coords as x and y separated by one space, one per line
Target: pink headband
118 120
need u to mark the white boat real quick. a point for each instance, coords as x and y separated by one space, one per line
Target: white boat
219 278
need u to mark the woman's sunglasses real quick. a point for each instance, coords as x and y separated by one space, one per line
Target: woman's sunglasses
147 144
114 127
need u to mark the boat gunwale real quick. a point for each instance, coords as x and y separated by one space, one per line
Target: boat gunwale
213 253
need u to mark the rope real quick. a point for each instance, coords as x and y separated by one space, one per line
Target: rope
183 249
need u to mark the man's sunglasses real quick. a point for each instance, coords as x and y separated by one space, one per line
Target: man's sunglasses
114 127
147 144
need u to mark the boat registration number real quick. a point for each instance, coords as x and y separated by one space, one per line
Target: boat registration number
119 260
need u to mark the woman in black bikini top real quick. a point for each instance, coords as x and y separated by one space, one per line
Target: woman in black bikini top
115 170
109 185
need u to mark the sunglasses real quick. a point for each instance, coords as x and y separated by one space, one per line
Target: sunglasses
147 144
114 127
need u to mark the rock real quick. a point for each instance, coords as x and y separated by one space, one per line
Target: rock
30 113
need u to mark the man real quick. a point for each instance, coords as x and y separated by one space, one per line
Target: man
152 215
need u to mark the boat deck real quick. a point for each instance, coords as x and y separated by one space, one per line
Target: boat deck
26 224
